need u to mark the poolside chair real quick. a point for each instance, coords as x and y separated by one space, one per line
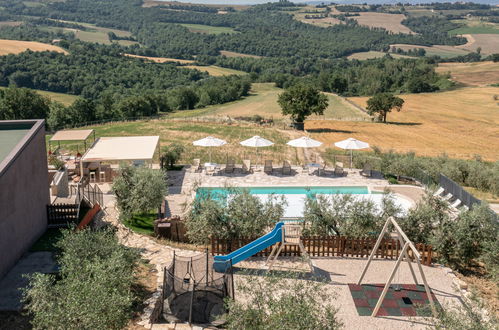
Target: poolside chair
447 197
196 165
246 166
230 166
286 168
456 204
338 169
267 168
322 170
367 170
439 192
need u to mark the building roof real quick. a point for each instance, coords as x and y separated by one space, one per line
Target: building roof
122 148
72 135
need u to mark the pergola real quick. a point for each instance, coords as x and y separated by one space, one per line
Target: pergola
71 135
116 149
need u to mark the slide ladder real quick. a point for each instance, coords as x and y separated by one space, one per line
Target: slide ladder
223 263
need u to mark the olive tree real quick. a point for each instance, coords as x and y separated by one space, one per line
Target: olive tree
282 302
93 289
138 190
238 214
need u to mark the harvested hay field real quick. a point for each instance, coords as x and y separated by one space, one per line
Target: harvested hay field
488 42
389 22
215 71
362 56
323 22
472 74
460 123
18 46
208 29
435 50
10 23
161 59
227 53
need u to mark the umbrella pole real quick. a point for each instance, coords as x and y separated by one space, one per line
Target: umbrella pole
351 158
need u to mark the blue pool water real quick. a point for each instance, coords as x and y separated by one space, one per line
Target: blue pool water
296 196
221 191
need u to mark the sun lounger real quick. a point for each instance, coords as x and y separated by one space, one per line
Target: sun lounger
447 197
286 168
196 165
267 168
439 192
246 166
230 166
455 204
367 170
338 169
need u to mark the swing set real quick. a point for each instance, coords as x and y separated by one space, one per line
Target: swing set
407 245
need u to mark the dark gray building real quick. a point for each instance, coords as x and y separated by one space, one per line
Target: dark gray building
24 191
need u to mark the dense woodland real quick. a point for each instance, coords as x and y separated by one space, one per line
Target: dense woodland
292 52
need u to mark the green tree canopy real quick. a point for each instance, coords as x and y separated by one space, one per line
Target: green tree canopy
300 101
22 103
139 190
383 103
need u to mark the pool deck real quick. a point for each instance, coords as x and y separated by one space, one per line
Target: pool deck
183 184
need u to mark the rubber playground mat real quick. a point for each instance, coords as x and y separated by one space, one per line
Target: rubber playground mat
409 301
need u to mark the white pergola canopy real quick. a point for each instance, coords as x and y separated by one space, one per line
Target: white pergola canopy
122 148
72 135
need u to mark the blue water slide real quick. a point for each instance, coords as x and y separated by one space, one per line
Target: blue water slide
222 263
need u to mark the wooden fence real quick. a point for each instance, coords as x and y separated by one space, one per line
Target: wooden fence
59 215
330 246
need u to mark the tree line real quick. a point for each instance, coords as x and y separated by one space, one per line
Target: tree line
23 103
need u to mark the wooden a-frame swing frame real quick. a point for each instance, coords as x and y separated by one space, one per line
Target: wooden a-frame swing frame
407 244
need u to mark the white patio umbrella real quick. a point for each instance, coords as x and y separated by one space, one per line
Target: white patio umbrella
209 141
304 142
351 144
256 142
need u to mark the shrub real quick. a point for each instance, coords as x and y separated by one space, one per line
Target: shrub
236 215
463 240
138 190
171 155
346 215
282 302
421 221
93 290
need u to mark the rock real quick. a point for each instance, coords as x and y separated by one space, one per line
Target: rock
462 284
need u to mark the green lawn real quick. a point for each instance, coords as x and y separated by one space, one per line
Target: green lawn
142 223
208 29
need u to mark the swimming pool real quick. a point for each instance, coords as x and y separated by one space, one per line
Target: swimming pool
296 196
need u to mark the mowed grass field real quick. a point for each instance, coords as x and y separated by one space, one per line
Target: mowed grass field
161 59
18 46
389 22
262 101
185 132
435 50
475 26
93 33
66 99
208 29
362 56
472 74
460 123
